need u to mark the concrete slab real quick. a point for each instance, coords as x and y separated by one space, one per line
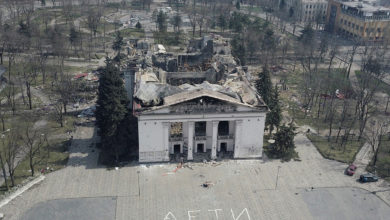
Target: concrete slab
102 208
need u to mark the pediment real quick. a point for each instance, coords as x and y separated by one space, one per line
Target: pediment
203 104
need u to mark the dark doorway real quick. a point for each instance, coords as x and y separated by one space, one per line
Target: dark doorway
200 128
200 148
223 128
223 147
176 148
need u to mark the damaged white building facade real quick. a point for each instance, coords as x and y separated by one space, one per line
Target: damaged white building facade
243 133
210 113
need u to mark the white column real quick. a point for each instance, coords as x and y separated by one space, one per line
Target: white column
214 140
191 129
166 139
237 137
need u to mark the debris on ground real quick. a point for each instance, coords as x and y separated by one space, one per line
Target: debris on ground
207 184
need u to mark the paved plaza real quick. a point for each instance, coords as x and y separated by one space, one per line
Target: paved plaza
313 188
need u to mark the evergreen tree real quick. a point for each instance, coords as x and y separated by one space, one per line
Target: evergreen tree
274 116
138 25
291 12
111 108
161 21
117 46
73 37
284 139
282 5
176 22
238 6
264 85
222 23
238 49
307 35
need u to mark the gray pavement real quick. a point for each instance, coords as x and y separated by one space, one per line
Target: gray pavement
102 208
251 189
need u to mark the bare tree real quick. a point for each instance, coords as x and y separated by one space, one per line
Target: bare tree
374 135
193 15
30 72
2 162
12 149
370 77
65 89
33 141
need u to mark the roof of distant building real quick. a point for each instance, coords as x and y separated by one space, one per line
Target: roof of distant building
366 6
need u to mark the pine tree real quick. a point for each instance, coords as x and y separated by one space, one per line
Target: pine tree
117 46
161 21
238 6
118 43
221 22
264 85
284 139
274 116
111 107
238 49
308 35
138 25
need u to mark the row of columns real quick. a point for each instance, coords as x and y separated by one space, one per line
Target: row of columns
191 131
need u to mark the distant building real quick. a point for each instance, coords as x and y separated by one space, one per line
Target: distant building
308 10
365 20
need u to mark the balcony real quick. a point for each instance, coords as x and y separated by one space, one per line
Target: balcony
175 139
226 137
200 138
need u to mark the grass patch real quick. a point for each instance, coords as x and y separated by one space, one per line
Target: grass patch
382 87
170 38
53 154
293 102
332 150
56 159
131 33
252 9
382 166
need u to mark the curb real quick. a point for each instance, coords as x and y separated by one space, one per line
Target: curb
21 190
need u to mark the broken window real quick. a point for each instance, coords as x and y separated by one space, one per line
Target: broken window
223 128
200 128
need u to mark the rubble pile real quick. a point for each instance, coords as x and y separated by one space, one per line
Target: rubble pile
207 65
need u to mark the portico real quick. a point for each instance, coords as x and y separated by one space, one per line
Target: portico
210 122
210 140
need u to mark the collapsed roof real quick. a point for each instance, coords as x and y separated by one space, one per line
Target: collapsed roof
223 79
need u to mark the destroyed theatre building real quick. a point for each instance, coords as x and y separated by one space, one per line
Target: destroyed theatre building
196 105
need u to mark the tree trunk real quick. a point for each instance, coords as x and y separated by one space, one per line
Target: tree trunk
31 165
4 172
61 119
65 104
193 31
338 134
11 176
3 122
363 125
28 91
